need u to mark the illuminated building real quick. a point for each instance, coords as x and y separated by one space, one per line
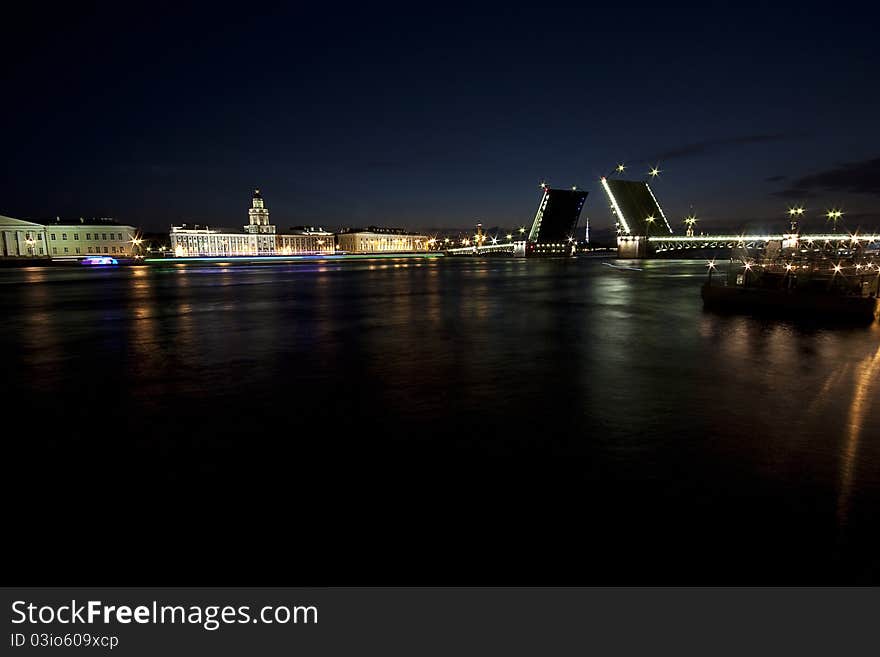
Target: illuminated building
21 239
305 240
194 241
258 238
259 226
90 237
70 239
380 240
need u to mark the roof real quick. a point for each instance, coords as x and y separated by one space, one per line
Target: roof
18 223
82 221
378 230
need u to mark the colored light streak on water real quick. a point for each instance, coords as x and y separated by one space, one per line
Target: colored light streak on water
280 259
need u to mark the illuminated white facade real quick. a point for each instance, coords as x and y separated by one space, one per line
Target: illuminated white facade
195 241
258 238
259 226
21 239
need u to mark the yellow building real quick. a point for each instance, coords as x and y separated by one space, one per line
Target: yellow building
380 240
65 239
89 237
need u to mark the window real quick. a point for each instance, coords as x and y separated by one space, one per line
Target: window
113 249
103 236
88 236
40 237
90 249
53 236
119 237
105 249
77 249
54 250
76 236
65 249
64 236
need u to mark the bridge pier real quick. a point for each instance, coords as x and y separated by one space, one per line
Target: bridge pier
632 246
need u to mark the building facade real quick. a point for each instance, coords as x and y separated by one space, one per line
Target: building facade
258 238
259 226
90 237
306 240
21 239
380 240
194 241
71 239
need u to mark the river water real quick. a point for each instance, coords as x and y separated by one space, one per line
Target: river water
460 421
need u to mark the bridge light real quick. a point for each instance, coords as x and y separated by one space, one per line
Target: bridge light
509 236
621 168
522 230
748 266
654 172
711 264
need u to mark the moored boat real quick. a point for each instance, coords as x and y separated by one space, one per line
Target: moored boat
802 281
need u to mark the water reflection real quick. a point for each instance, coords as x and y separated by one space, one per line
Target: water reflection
863 393
600 393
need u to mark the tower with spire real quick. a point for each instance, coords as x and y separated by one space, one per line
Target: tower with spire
262 232
259 216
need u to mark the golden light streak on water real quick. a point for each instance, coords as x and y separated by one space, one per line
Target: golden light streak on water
866 375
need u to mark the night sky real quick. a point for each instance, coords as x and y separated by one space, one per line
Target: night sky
441 117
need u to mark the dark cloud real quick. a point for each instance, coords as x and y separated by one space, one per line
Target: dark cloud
772 179
847 178
714 146
795 194
382 164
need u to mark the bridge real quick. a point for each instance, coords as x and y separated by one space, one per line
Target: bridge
481 248
662 244
551 233
643 230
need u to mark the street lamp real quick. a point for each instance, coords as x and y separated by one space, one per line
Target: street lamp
834 215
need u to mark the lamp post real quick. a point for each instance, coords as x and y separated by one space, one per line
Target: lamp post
834 215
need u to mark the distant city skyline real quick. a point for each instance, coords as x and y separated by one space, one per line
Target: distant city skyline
437 118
